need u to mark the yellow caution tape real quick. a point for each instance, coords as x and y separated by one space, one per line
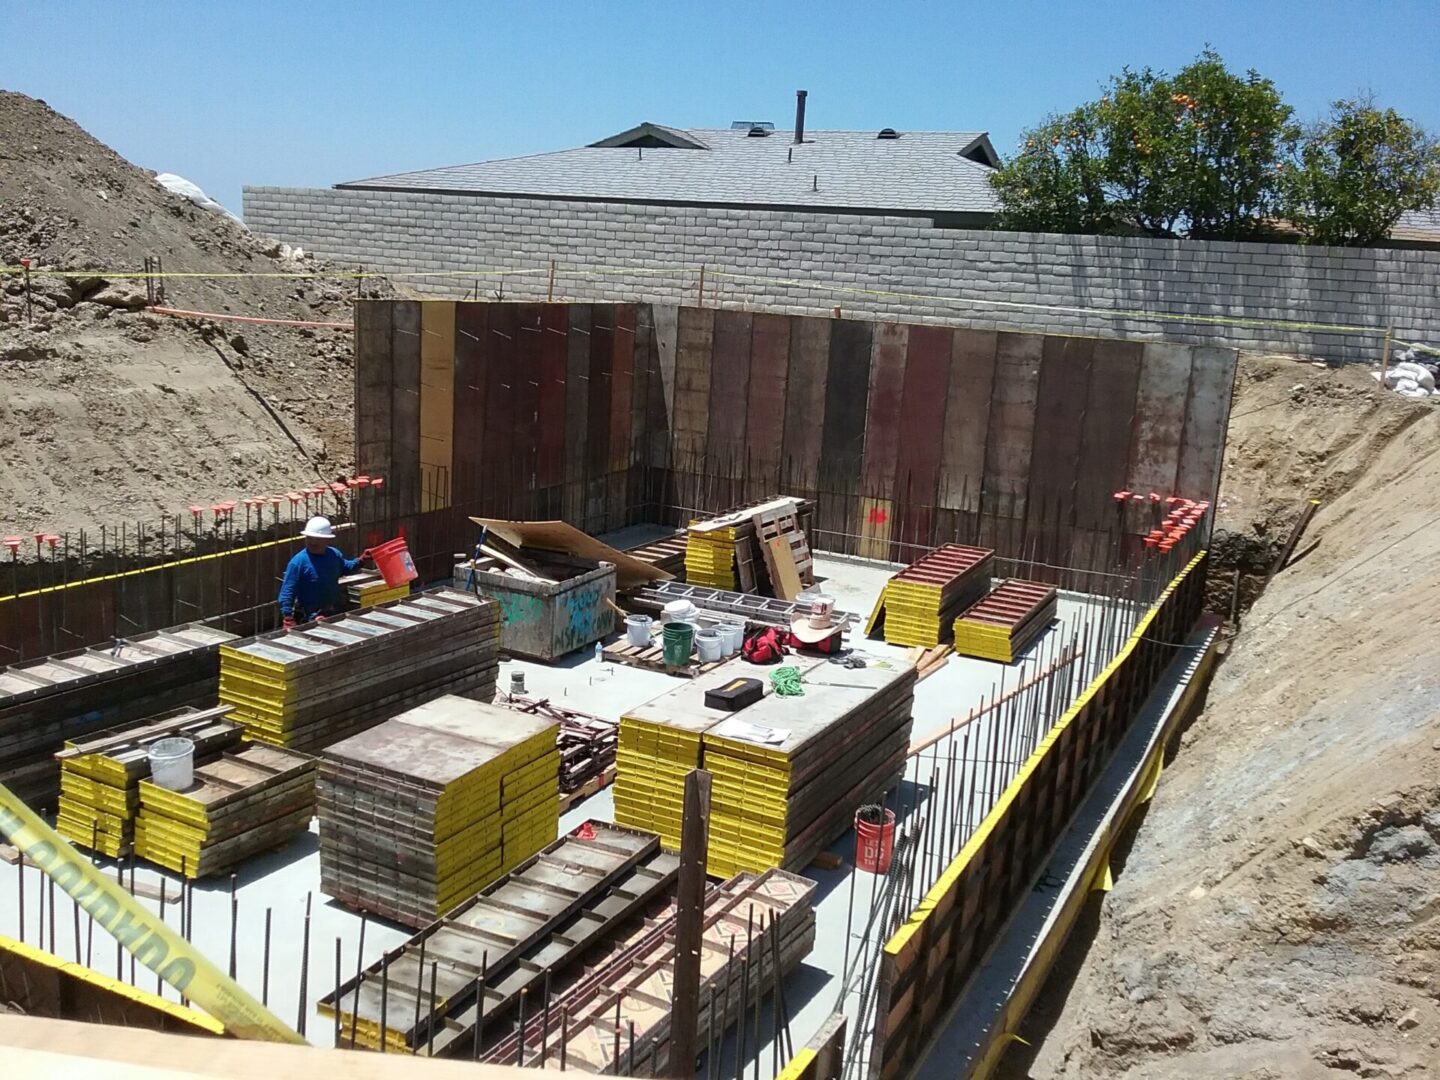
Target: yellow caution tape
145 936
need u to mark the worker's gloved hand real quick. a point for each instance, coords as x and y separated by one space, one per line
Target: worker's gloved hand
288 622
366 556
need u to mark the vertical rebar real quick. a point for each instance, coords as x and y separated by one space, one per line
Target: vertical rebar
480 1006
234 922
265 967
384 999
300 1008
335 998
430 1028
359 973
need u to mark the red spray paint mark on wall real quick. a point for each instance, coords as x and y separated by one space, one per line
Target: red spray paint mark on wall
878 516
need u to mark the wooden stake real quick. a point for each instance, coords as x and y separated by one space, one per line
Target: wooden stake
1385 354
550 297
689 924
700 292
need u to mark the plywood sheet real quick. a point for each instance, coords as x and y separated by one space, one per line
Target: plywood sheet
765 412
622 386
1105 446
577 411
437 402
554 370
922 438
665 328
967 418
1159 418
1212 377
1009 443
497 469
404 478
729 394
372 386
842 440
472 328
1060 406
643 363
882 414
805 403
694 341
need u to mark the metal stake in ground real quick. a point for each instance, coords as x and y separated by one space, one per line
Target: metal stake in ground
300 1009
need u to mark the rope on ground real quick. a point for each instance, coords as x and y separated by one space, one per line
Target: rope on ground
785 681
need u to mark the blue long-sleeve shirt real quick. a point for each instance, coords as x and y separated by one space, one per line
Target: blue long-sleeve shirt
312 582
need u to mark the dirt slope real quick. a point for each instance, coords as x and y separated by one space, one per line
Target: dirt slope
113 413
1279 912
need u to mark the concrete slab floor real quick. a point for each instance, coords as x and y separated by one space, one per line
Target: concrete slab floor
280 882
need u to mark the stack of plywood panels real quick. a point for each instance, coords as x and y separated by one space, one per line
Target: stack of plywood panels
919 604
1002 625
240 804
424 810
100 775
660 742
314 685
790 772
70 695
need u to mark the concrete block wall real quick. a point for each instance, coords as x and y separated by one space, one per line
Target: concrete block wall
880 267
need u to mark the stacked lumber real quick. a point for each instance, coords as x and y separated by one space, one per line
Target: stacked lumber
240 804
762 547
586 742
752 926
1002 625
548 916
424 810
919 604
666 553
100 774
790 772
660 742
368 588
316 684
74 694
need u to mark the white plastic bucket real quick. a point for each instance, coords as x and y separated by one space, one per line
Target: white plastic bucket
637 630
708 643
732 636
172 763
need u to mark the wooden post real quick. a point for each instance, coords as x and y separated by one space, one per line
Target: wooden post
689 924
1311 505
700 291
1385 354
551 297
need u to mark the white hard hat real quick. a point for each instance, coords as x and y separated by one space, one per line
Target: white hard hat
319 528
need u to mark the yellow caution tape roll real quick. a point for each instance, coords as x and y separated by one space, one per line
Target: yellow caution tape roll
144 935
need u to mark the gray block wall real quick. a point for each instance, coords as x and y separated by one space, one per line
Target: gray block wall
1198 292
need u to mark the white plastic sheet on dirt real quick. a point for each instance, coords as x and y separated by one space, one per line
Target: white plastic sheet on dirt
187 190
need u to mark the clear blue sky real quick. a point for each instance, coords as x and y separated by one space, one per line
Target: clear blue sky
310 93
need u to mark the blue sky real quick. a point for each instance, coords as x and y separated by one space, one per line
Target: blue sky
311 92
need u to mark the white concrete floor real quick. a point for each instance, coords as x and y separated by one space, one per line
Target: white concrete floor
282 881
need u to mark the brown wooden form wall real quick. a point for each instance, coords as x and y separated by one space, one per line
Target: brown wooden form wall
906 435
928 962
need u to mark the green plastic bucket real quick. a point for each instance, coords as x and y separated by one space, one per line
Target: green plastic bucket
679 638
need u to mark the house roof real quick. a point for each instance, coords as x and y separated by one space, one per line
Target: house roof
920 171
1418 226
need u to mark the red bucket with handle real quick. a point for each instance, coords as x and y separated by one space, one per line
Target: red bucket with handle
874 842
392 559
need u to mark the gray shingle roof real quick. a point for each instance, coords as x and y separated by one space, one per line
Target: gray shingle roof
922 171
1418 225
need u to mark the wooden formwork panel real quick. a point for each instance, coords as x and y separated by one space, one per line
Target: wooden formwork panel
1060 407
1212 379
403 480
437 399
642 366
664 330
922 438
372 386
729 391
842 439
1011 435
764 428
577 410
1159 418
622 386
805 403
967 419
525 432
472 329
551 427
883 407
500 403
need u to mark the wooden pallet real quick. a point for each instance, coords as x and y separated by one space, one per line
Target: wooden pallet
590 787
652 658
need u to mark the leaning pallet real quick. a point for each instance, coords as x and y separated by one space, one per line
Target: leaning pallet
918 605
550 913
240 804
44 703
424 810
100 775
316 684
1002 625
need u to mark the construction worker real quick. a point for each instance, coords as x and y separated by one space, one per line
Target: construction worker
312 579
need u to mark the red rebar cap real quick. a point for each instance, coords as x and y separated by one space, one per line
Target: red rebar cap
379 481
363 478
337 487
13 543
1151 541
276 500
1121 496
52 540
361 481
197 510
294 496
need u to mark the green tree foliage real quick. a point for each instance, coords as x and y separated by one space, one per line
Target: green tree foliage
1357 172
1209 153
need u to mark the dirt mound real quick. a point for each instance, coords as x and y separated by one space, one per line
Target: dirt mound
1278 914
114 413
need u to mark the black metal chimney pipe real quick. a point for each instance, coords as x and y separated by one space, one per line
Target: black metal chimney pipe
800 116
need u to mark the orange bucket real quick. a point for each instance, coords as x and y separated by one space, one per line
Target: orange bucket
392 559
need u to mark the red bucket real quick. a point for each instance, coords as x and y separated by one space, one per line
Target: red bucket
392 559
874 844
